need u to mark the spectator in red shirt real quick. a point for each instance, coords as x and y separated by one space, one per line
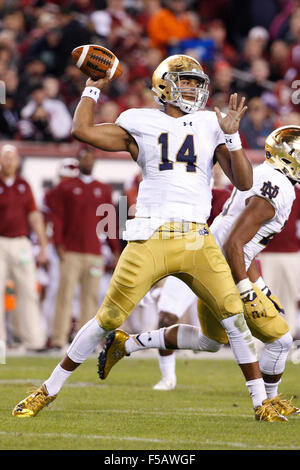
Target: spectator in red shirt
221 191
68 168
19 215
219 197
280 263
76 236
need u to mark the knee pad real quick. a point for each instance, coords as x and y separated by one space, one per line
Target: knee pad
274 355
110 316
286 341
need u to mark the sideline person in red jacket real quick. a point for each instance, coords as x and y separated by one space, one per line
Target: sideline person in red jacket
77 238
19 215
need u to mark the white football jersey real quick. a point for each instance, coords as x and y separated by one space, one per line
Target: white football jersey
269 184
176 159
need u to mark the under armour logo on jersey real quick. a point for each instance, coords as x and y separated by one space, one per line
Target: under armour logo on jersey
268 190
228 140
188 123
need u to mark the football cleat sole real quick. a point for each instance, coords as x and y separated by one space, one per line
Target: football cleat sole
113 352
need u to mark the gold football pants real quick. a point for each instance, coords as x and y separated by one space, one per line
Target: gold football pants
185 250
266 329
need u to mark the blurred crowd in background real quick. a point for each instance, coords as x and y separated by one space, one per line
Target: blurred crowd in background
251 47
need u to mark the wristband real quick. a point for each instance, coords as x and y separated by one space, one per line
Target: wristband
244 286
260 283
91 92
246 291
233 141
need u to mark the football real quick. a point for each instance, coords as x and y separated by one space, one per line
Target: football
95 61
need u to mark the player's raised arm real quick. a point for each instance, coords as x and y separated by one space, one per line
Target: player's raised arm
231 156
108 137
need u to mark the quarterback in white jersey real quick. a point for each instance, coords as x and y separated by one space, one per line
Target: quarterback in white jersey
174 154
175 148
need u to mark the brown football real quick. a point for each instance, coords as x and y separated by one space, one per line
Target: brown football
94 61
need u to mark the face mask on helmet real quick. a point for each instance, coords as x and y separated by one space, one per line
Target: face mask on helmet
168 87
283 151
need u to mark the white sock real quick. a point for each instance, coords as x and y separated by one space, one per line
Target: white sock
191 337
56 380
86 341
257 391
260 283
272 389
151 339
82 346
167 365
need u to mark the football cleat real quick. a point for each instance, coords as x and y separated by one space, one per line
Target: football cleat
284 407
168 383
268 412
113 351
34 403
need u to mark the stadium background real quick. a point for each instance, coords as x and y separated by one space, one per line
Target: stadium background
252 47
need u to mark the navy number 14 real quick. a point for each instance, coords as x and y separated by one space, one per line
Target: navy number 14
185 154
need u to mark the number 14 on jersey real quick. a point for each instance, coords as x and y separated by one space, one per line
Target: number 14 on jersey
185 154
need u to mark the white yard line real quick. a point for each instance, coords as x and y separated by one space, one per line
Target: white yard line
207 442
198 412
40 381
98 384
224 353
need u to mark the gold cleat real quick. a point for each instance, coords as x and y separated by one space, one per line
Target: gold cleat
268 412
34 403
113 351
284 407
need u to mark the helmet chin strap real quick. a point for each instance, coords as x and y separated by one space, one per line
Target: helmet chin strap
189 106
192 106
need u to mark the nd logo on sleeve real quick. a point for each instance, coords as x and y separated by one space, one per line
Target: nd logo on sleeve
268 190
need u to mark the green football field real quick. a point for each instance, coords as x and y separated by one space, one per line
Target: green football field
210 409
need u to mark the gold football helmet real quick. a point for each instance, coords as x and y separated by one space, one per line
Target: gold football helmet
167 88
283 151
